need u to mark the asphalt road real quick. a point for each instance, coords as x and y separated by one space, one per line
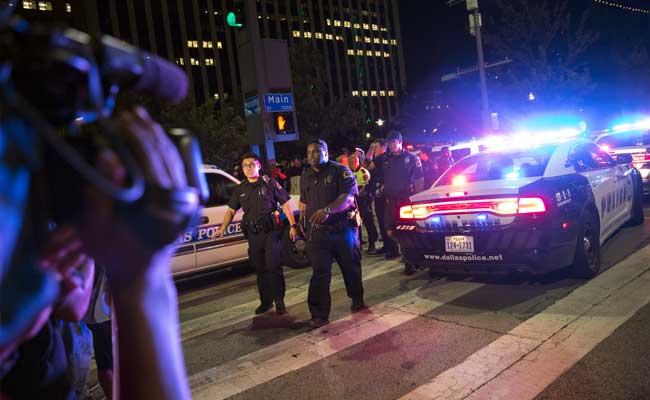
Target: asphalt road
423 337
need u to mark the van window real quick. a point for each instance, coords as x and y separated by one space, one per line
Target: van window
220 189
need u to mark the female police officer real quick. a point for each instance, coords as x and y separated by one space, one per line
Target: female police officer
259 196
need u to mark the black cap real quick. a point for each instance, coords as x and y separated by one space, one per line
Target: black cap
394 135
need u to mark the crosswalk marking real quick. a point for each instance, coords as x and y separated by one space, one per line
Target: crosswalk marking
264 365
210 322
521 363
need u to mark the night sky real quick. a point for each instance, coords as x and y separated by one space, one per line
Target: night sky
436 38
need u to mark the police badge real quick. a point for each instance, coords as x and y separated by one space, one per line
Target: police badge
328 179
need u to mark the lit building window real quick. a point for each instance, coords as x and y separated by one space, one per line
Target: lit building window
391 93
382 93
29 5
384 41
376 40
180 61
367 39
350 52
359 52
219 45
194 61
209 61
307 35
329 36
364 93
369 53
357 26
373 93
296 33
216 96
366 26
318 35
329 22
377 53
355 93
339 37
393 41
375 27
337 22
68 7
347 24
207 45
45 6
193 43
357 39
386 54
384 29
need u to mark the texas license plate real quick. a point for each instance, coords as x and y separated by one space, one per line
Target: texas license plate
459 244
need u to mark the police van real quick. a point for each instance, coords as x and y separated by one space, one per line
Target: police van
198 250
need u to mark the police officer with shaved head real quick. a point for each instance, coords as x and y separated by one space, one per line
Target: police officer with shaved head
258 195
329 219
401 172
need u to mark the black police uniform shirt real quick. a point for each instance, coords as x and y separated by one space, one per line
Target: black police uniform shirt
398 172
258 199
320 189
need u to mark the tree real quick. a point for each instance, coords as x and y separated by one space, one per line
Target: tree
340 123
548 48
221 132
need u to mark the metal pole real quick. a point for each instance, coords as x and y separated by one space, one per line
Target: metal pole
485 109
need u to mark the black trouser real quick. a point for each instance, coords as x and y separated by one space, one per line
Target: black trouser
323 247
380 206
264 256
390 217
365 208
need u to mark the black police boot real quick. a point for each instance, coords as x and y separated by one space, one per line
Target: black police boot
316 323
263 308
358 305
371 249
409 269
280 308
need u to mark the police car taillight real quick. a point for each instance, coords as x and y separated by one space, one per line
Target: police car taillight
500 206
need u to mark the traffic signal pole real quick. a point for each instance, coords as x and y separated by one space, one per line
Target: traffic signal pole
485 109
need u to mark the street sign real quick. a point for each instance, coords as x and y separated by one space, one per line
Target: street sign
278 102
252 106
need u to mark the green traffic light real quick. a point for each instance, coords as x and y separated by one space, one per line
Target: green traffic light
231 18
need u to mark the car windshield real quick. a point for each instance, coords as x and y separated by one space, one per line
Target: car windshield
498 165
625 140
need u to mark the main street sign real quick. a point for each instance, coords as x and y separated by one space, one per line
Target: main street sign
278 102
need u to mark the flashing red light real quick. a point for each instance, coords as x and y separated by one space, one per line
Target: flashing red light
459 180
605 147
500 206
409 147
565 225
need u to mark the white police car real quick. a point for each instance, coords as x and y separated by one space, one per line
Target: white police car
198 251
636 144
535 208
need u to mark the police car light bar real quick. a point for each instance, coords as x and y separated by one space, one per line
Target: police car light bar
634 126
500 206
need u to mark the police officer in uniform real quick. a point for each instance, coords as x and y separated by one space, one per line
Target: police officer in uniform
401 172
259 197
328 219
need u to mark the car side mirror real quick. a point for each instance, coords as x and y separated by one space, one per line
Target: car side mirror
623 159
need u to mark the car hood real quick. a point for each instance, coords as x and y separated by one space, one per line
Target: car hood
485 188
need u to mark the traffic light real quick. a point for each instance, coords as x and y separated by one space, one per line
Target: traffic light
231 19
283 123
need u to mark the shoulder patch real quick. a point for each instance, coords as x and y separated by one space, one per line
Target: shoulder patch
347 173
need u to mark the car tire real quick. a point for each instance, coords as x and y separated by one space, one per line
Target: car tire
586 262
637 216
292 257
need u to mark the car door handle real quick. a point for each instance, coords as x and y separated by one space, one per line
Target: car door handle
204 220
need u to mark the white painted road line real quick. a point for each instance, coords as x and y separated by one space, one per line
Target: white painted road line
520 364
298 352
210 322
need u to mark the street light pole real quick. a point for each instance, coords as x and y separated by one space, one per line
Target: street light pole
485 109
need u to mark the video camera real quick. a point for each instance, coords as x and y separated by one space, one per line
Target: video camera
51 80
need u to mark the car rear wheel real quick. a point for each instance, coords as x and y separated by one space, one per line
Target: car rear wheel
586 262
637 203
293 253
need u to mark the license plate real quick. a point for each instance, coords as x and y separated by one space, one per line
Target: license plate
459 244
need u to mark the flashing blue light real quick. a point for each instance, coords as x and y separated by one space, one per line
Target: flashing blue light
632 126
512 175
482 217
435 220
